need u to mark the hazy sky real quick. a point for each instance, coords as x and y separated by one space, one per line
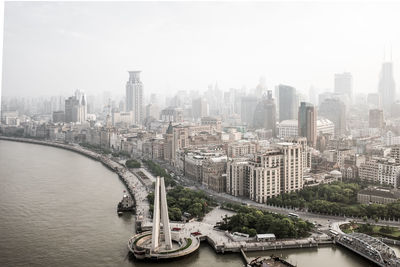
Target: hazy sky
52 48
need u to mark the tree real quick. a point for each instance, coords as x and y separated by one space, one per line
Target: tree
174 214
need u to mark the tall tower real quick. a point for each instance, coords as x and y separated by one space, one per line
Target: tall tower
334 110
344 84
265 114
160 215
387 86
134 97
308 123
287 102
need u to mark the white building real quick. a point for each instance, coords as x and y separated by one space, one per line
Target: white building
325 126
289 128
134 97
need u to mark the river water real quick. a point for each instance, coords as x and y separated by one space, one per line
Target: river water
58 208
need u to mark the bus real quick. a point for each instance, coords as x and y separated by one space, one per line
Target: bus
333 232
293 215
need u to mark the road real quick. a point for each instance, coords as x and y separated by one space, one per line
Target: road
323 221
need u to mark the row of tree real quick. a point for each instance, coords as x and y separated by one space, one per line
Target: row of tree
253 221
337 192
131 163
181 200
336 199
95 148
157 170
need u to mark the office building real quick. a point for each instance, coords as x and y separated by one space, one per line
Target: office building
344 84
307 123
134 97
76 108
265 114
387 86
376 118
287 102
334 110
247 109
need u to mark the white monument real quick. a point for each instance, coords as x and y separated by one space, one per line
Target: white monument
160 215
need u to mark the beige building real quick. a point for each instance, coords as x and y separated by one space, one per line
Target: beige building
377 195
277 170
381 170
241 148
214 173
236 177
264 176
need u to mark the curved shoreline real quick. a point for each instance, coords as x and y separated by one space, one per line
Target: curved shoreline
115 167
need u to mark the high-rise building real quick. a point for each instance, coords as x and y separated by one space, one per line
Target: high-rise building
275 171
58 116
248 106
287 102
376 118
307 123
265 114
387 86
134 97
334 110
76 108
200 108
374 100
344 84
395 110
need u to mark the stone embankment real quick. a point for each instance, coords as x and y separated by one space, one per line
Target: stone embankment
133 184
137 188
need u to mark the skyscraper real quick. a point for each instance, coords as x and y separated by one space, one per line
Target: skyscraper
307 123
287 102
344 84
387 86
76 108
265 114
376 118
248 106
200 108
334 110
134 97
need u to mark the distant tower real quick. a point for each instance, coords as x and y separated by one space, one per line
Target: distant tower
134 97
287 102
265 114
375 118
307 123
160 215
344 84
334 110
247 108
387 86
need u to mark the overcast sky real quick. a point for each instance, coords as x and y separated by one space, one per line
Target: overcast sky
54 48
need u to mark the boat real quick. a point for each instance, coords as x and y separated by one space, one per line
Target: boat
126 204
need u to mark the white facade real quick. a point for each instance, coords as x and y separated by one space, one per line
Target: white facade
134 97
288 128
235 177
325 126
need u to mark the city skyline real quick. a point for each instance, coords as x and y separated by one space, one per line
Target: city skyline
179 50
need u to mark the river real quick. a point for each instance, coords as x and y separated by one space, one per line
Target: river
58 207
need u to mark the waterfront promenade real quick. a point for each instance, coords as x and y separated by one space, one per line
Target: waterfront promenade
219 240
134 185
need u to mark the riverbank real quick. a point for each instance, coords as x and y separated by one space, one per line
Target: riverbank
133 184
219 241
69 202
